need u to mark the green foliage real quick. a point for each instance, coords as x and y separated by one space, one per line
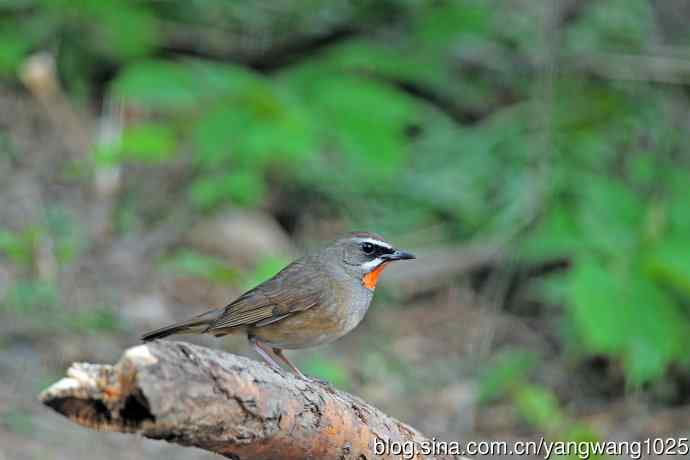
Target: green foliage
28 296
625 314
625 24
538 405
57 226
623 228
18 247
266 268
146 142
327 369
64 233
94 320
186 262
158 85
13 47
506 371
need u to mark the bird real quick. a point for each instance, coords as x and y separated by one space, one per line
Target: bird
314 300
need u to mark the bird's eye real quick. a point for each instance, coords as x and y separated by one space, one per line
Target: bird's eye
367 248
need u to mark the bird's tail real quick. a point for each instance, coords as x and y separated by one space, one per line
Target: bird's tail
197 325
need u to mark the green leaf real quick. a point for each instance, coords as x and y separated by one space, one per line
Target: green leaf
507 370
149 142
257 126
678 209
187 262
214 136
159 85
216 79
556 235
242 187
19 247
14 46
327 369
146 142
539 406
610 215
266 268
93 321
624 314
368 122
669 263
440 24
124 29
366 56
31 296
617 24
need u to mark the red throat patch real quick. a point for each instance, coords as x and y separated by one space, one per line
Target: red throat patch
369 280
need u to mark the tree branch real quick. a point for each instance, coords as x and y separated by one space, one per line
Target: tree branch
222 403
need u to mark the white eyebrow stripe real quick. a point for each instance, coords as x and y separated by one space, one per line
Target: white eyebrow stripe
375 242
372 264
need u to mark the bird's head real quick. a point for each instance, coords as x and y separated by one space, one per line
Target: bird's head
365 255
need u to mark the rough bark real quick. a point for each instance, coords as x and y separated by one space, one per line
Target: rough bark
222 403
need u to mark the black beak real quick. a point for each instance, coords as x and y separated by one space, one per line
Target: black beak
399 255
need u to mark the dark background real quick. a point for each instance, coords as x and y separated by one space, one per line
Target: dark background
159 157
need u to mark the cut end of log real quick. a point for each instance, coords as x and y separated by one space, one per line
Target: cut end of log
103 397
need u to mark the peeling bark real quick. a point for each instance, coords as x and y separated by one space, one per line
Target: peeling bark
222 403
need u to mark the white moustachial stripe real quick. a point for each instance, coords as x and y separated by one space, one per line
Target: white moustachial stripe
372 264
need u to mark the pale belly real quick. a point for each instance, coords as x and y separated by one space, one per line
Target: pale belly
315 326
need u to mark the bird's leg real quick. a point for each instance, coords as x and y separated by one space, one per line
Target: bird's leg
259 347
279 353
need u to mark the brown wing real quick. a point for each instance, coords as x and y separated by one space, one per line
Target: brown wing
292 290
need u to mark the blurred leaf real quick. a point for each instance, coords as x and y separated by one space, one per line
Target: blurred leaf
327 369
506 371
191 263
266 268
615 24
149 142
19 247
583 435
556 235
216 79
254 129
159 85
610 215
622 313
14 46
677 200
146 142
367 57
125 29
442 23
669 262
66 235
368 122
642 169
107 155
539 406
93 321
30 296
242 188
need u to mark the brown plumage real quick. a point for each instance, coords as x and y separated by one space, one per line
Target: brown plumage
314 300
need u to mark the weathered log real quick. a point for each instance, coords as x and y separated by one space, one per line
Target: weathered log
223 403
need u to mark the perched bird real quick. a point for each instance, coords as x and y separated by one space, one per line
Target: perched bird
314 300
